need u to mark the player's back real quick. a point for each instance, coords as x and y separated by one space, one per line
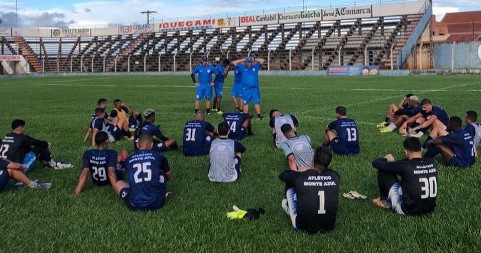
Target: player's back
235 121
348 133
463 145
222 163
317 200
13 147
98 162
219 77
196 139
301 148
419 185
146 171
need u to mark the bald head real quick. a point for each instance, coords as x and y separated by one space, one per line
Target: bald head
199 115
145 142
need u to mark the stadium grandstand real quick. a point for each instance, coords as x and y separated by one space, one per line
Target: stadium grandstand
382 34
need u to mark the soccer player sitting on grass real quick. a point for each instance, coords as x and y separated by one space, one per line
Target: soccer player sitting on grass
16 172
431 117
100 163
398 117
239 124
297 148
456 148
197 136
204 85
148 172
98 124
277 119
415 192
342 134
21 148
312 195
225 157
161 142
222 72
473 127
120 117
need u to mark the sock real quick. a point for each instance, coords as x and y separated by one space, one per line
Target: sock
386 119
259 115
174 146
208 110
52 163
128 134
392 127
196 110
33 184
426 142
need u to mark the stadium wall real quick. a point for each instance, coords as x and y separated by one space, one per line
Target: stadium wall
465 55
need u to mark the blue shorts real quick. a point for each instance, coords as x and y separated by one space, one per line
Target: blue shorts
236 91
198 151
340 149
251 95
242 133
456 161
396 198
218 89
125 196
3 180
203 91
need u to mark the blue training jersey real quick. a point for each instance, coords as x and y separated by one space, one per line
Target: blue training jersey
250 75
237 76
98 162
195 133
440 113
462 144
146 171
347 132
147 127
235 121
219 76
204 74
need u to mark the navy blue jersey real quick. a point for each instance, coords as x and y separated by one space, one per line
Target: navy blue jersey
98 162
146 171
195 137
411 111
146 127
204 73
347 133
462 144
219 76
441 114
250 75
4 164
235 121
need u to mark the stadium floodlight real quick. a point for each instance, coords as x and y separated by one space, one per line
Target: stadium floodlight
148 15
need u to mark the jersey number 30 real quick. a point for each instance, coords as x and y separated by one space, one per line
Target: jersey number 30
429 188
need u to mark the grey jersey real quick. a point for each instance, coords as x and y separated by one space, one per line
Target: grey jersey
477 136
278 122
300 147
222 161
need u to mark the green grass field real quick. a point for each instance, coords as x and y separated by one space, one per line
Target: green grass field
58 109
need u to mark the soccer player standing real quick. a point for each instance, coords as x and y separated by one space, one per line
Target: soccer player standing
204 84
148 173
250 82
342 134
197 136
415 192
100 163
225 157
222 72
312 195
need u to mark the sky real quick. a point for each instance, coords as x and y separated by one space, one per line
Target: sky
101 13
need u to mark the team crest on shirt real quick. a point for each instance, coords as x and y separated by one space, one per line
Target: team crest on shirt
208 71
253 69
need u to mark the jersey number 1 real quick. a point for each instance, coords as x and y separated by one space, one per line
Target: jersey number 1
322 203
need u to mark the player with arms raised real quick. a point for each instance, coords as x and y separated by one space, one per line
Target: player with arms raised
250 82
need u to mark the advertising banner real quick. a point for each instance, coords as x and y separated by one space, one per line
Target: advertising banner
5 32
135 29
372 70
300 16
189 25
347 13
10 58
81 32
267 19
382 10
